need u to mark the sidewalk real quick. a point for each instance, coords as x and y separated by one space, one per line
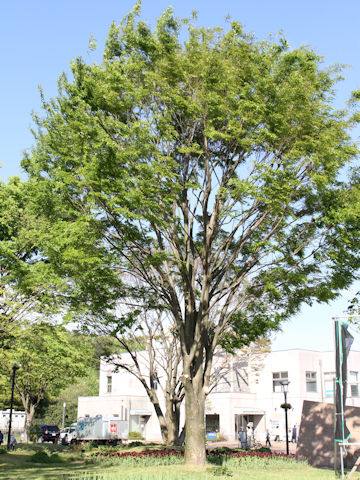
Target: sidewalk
275 446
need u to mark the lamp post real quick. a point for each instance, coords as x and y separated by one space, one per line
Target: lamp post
14 368
284 387
63 416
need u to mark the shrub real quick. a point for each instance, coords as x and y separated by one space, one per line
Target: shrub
134 444
42 456
135 435
221 471
35 432
225 450
263 449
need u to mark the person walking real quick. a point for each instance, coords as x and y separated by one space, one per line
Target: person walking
249 436
268 443
13 442
294 434
242 438
1 437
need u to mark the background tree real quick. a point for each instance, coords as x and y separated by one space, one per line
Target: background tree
206 177
153 357
52 410
28 282
50 358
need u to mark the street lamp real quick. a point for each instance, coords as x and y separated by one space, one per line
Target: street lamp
63 416
14 368
284 388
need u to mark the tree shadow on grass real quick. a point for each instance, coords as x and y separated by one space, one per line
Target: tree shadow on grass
33 471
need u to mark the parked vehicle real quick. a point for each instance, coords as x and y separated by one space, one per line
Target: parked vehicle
70 432
101 429
49 433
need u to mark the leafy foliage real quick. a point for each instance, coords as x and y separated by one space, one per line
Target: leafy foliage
27 280
51 412
50 358
204 178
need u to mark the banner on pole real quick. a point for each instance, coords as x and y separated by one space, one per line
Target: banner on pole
343 342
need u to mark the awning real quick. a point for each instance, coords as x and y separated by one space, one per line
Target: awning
248 411
140 412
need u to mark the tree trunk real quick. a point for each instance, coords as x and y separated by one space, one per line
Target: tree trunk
162 419
172 421
29 416
195 448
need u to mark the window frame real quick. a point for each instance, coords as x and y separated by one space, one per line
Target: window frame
311 378
277 379
109 384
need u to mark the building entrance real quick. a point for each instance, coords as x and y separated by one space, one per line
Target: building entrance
242 421
212 427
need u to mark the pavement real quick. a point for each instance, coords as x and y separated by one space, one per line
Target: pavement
279 447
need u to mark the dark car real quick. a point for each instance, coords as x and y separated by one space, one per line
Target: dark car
49 433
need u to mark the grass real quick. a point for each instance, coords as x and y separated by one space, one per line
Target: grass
70 464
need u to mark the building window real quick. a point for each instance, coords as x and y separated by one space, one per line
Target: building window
354 386
278 378
329 378
311 385
109 384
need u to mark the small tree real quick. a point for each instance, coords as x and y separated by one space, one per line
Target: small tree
50 358
205 175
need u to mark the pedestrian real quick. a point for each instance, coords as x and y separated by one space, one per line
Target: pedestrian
277 436
242 438
249 436
1 437
22 436
294 434
12 442
64 440
268 443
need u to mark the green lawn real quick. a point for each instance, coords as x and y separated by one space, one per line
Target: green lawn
80 465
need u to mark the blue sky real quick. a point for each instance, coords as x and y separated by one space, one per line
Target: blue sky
38 39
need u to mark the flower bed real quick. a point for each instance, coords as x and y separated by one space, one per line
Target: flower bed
171 457
143 454
250 454
146 457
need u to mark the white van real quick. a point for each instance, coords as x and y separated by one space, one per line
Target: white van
70 432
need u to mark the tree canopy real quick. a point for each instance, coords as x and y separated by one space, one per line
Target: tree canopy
205 177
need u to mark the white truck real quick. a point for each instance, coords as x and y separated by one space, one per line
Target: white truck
69 432
102 429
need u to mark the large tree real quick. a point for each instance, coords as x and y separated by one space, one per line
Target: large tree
209 175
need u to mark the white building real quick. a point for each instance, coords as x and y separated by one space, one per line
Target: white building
247 391
17 421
